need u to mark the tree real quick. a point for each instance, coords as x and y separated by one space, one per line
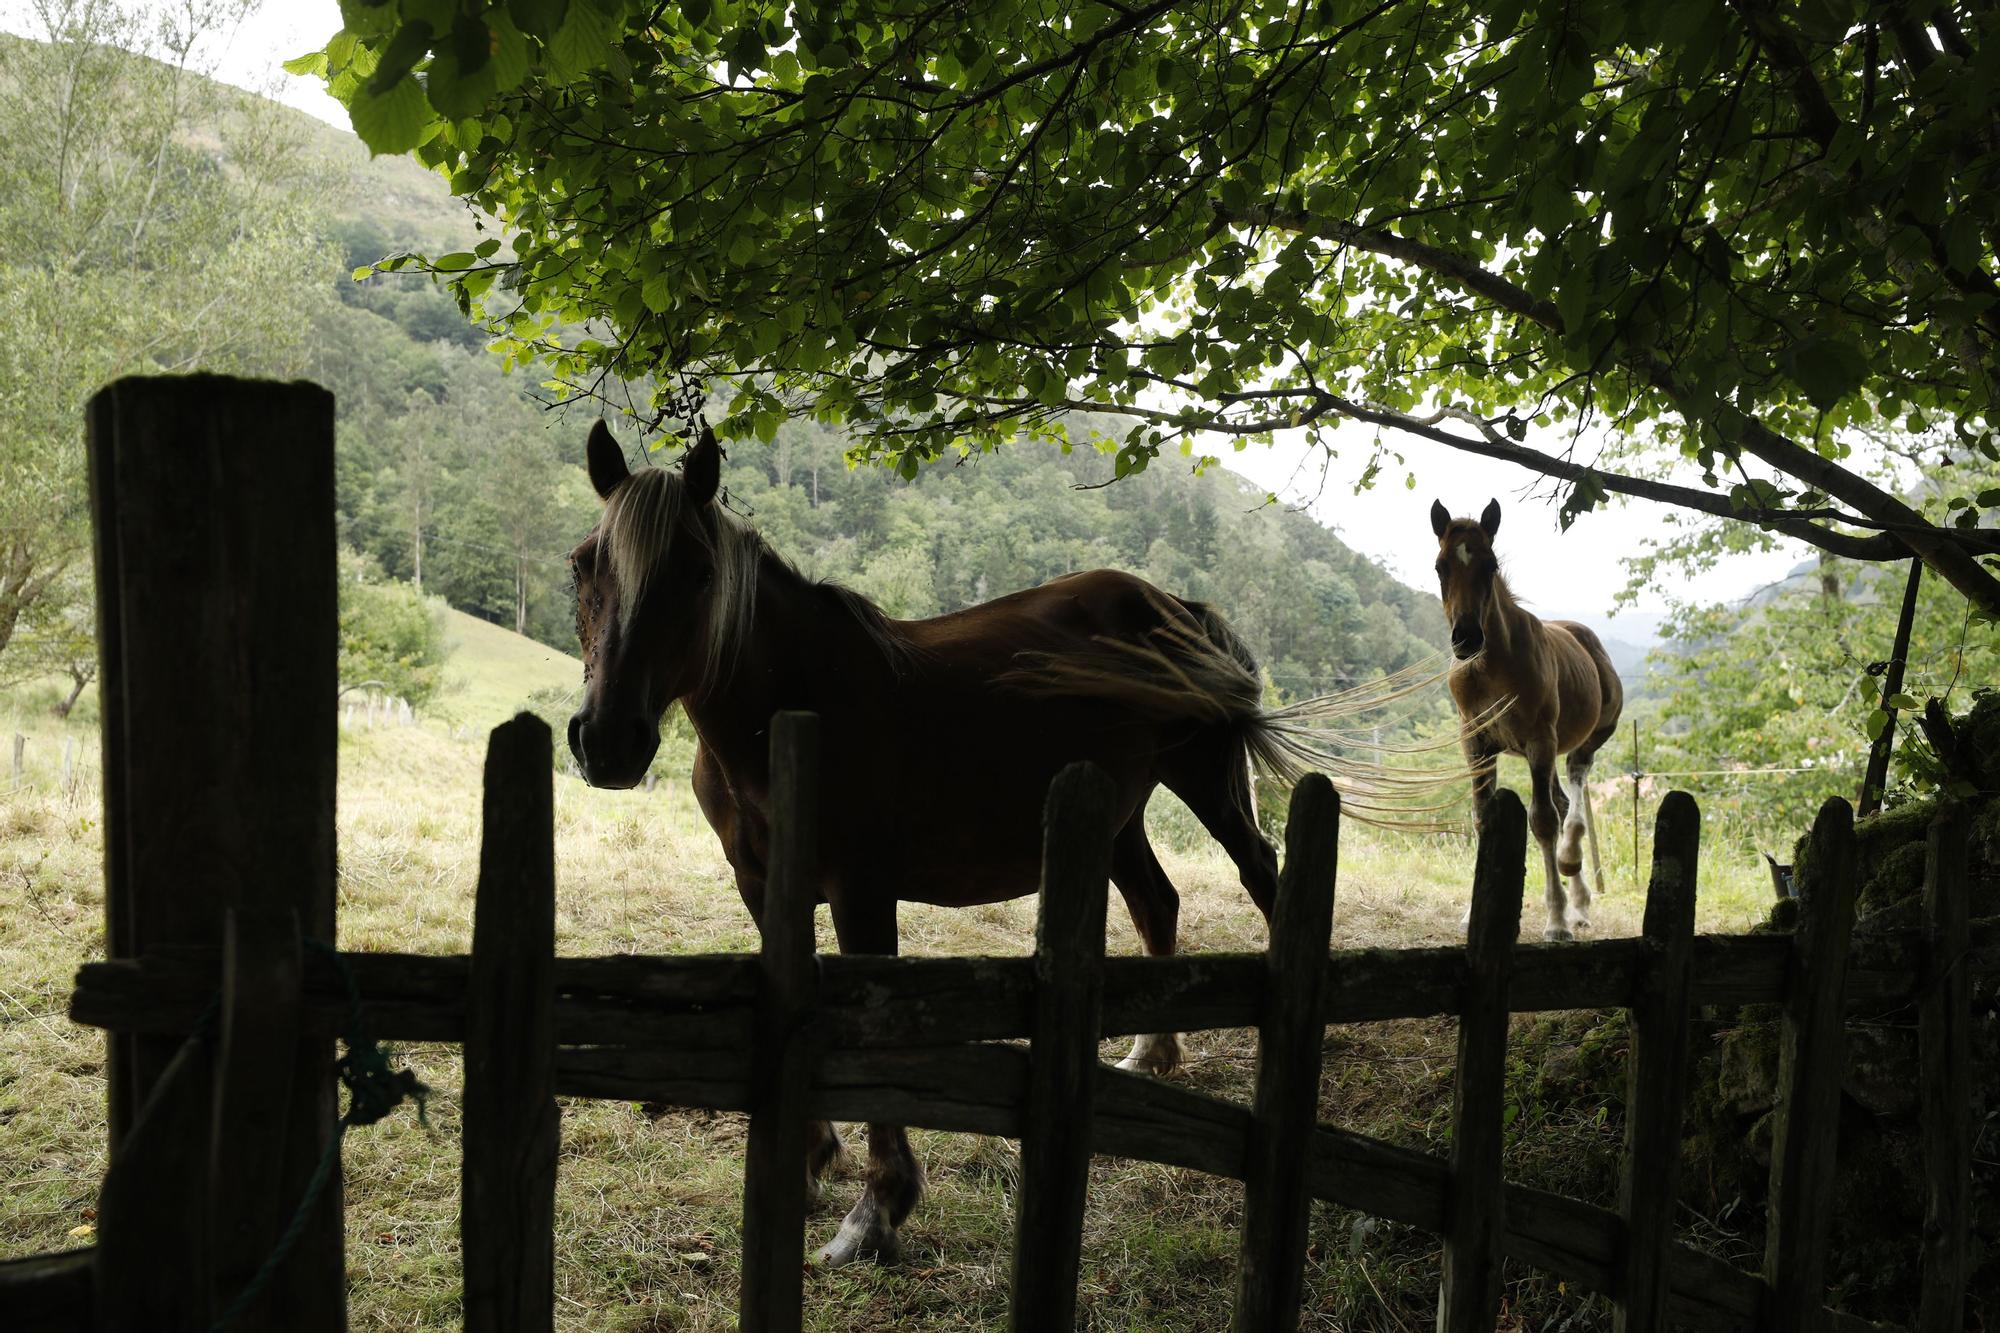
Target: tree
391 637
1731 231
143 227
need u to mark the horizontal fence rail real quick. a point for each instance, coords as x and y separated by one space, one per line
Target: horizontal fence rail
681 1030
710 1000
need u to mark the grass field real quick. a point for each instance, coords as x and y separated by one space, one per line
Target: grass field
648 1208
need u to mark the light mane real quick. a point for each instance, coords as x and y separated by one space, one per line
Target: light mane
639 523
640 520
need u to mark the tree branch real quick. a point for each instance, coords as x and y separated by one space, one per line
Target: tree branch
1939 547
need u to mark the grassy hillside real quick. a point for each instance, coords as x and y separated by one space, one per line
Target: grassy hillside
494 673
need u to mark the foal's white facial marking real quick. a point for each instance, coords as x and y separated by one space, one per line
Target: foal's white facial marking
1464 552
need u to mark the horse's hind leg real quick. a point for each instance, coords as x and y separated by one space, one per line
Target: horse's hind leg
1543 824
895 1180
1155 909
1578 823
1214 782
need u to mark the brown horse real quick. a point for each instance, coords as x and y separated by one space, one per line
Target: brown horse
938 737
1537 688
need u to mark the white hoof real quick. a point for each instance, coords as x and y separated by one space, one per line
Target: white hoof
1158 1054
1558 935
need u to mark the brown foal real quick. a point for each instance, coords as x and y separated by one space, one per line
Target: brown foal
1541 689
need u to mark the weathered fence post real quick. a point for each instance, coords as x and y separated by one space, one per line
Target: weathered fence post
511 1128
1656 1076
1471 1296
262 979
20 759
1943 1018
1069 992
152 1235
212 509
774 1162
1811 1059
1271 1264
68 784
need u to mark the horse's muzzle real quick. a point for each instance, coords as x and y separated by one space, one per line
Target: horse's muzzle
613 752
1466 639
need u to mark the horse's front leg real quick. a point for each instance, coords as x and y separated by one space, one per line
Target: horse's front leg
1482 757
867 924
1545 823
1576 824
1155 908
823 1145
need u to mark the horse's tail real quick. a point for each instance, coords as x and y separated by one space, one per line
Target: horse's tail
1193 666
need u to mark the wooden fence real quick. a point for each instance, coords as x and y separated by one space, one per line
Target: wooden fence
223 1014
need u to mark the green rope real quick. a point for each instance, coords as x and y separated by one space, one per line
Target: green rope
373 1091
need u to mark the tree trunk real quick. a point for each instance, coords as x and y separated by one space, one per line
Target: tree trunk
1829 580
81 679
521 597
417 546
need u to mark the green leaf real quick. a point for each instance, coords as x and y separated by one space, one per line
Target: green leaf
583 42
658 292
1877 721
1827 369
510 60
540 18
1902 701
410 44
394 121
309 64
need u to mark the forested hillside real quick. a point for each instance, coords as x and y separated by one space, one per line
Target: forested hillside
455 478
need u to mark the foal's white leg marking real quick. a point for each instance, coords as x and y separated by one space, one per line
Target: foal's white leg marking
1590 827
1558 927
1155 1053
1571 849
1542 774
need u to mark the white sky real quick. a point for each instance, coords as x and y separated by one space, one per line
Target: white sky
1574 573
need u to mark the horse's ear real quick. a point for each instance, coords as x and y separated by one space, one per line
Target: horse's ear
1440 517
1489 519
606 461
703 469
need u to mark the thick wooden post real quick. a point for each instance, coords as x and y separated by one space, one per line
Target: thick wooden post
212 508
1470 1302
774 1167
1069 989
1943 1035
1811 1058
1271 1268
152 1237
262 976
1656 1078
511 1128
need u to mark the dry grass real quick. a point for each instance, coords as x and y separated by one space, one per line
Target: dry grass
648 1209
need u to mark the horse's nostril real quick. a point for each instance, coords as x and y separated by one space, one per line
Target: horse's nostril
576 736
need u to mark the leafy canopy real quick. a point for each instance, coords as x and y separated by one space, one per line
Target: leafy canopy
1739 228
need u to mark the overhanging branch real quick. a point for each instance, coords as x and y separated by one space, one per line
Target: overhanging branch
1321 404
1943 549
